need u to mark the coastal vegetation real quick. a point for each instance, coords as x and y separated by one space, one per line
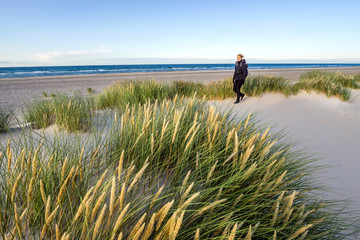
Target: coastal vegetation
328 83
6 116
73 113
69 112
39 113
160 162
331 84
171 169
257 85
90 90
346 80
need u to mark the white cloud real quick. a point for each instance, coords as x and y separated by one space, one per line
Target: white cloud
49 56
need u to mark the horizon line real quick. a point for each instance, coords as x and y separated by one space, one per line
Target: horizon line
124 64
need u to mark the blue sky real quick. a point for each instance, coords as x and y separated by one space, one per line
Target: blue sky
77 32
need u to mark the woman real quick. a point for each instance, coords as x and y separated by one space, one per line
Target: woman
239 77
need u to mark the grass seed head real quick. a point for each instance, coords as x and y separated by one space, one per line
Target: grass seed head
137 226
156 196
211 171
99 221
139 232
112 197
119 220
83 204
300 231
210 206
187 202
150 227
160 216
138 176
197 234
16 184
63 169
233 232
97 205
121 160
99 183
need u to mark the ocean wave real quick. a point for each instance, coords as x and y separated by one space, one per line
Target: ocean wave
33 72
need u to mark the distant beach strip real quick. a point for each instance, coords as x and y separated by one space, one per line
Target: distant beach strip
19 72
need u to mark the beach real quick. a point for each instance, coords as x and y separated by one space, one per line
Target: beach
326 128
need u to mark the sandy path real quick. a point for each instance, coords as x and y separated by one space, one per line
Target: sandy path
14 91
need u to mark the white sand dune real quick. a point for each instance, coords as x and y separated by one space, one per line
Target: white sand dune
324 126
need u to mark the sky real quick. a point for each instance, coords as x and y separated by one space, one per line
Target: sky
79 32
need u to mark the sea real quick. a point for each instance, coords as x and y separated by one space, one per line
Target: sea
20 72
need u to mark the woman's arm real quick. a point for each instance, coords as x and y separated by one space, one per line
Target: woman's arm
243 69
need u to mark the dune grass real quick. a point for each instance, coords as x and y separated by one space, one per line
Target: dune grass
329 83
39 113
90 90
134 92
6 116
170 169
72 113
346 80
257 85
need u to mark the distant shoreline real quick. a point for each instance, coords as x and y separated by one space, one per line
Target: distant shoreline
48 71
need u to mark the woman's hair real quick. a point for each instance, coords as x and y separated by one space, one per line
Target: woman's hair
240 55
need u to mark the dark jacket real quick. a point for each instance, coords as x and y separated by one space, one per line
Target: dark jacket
240 71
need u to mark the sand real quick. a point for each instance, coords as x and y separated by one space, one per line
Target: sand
325 127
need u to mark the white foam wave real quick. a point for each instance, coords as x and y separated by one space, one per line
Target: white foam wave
33 72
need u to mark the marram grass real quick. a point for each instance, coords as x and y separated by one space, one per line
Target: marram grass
257 85
6 116
39 113
171 169
134 92
346 80
71 113
331 84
